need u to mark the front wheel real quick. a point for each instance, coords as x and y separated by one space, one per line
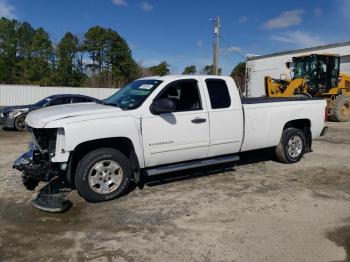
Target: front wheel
103 174
20 122
292 146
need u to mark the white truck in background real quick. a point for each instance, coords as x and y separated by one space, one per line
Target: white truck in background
157 125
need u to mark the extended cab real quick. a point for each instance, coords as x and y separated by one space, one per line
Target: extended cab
158 125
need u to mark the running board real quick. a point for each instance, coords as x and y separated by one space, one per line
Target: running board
189 165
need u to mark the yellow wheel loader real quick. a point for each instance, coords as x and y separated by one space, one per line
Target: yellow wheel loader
316 75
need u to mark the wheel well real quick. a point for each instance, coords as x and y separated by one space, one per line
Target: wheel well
122 144
305 126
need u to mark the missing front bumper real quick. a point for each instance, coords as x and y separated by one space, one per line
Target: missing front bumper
35 167
33 164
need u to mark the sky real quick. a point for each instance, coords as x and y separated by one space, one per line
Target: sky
181 33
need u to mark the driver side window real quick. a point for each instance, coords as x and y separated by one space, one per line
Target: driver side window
60 101
185 94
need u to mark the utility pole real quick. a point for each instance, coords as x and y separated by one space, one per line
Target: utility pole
216 46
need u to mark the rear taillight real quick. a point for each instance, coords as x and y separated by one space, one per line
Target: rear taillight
325 114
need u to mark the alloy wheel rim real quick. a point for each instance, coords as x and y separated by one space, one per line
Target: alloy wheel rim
21 123
345 109
105 176
295 146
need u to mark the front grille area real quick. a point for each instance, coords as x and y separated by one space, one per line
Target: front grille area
46 139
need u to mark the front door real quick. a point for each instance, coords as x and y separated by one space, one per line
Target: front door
181 135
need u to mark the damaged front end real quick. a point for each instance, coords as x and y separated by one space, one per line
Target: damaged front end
36 165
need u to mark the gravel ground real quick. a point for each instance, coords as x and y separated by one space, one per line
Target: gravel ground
259 210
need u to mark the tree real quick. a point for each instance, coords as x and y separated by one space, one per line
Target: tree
25 53
8 50
190 70
161 70
27 56
42 57
238 74
67 73
209 70
111 60
144 70
94 39
119 59
24 36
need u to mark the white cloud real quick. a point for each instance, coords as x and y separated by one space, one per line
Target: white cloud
7 10
286 19
243 19
147 7
317 12
120 2
199 43
298 38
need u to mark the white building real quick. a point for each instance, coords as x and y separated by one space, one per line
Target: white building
274 65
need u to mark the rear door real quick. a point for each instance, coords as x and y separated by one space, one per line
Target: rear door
181 135
226 117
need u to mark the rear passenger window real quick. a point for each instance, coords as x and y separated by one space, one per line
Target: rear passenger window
81 100
60 101
218 93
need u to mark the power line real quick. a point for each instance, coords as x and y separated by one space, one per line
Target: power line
229 46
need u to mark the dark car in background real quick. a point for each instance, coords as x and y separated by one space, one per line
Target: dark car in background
14 116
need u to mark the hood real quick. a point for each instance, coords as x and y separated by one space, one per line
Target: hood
41 117
12 108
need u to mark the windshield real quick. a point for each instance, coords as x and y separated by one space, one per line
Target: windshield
42 102
133 95
303 67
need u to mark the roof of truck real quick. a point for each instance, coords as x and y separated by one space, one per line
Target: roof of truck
176 77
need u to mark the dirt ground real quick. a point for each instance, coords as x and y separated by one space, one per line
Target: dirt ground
259 210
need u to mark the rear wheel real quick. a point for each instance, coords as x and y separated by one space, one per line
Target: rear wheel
103 174
341 109
292 146
20 122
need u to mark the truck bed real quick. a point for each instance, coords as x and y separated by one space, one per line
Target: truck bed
265 118
261 100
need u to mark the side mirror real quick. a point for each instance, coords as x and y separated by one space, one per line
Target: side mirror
163 105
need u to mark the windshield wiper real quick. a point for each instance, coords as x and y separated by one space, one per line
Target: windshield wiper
111 104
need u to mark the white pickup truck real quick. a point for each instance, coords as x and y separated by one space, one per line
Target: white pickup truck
158 125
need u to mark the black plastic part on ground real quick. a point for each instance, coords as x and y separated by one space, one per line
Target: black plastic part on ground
54 203
53 197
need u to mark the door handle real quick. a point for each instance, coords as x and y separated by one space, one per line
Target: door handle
198 120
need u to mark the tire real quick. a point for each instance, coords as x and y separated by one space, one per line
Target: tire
341 110
103 174
292 146
20 122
